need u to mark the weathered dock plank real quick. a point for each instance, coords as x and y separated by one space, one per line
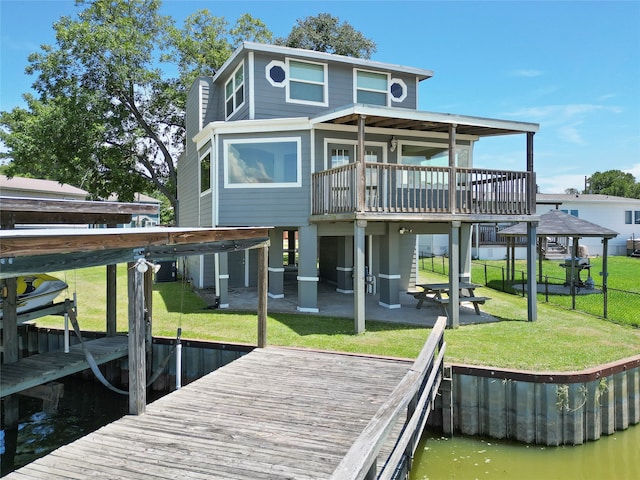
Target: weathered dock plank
44 367
273 413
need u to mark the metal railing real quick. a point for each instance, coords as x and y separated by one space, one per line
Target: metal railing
391 188
616 305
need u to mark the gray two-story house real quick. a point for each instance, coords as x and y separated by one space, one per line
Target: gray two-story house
332 150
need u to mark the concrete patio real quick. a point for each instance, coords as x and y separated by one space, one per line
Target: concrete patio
335 304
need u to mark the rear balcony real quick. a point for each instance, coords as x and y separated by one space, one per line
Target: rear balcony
383 188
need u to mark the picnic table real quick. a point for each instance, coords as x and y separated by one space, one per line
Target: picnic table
439 293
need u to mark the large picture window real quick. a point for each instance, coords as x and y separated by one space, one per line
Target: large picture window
259 163
234 91
307 82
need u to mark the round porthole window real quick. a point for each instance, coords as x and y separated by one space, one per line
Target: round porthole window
276 73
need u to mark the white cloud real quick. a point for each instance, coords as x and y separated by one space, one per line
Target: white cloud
634 170
526 73
559 183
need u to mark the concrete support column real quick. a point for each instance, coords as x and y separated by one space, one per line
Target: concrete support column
308 269
532 287
358 275
344 266
465 252
454 275
389 277
276 268
222 278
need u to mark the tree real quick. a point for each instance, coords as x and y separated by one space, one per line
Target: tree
613 182
325 33
107 117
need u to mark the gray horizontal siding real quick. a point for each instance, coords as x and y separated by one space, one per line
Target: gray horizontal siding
267 206
270 101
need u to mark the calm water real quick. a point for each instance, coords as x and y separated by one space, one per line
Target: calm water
614 457
87 406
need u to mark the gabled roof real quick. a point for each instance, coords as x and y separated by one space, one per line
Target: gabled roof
23 186
313 55
555 223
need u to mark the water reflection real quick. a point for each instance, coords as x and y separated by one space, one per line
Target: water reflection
612 457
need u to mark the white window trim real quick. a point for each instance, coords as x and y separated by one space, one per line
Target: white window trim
267 69
200 157
235 89
354 143
325 84
403 97
225 154
356 89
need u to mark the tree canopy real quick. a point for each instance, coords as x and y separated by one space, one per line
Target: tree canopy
325 33
613 182
108 116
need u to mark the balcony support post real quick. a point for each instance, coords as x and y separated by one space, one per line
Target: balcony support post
453 187
532 288
358 275
454 275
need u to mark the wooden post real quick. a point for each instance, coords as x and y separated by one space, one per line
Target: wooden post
453 187
263 260
360 170
137 360
531 187
112 295
112 300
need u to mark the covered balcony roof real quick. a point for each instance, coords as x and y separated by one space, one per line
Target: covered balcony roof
404 119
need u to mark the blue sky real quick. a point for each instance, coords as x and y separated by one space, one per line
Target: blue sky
573 67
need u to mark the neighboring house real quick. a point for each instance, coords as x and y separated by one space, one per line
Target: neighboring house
35 188
617 213
334 149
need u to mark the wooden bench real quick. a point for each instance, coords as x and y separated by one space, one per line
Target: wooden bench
475 300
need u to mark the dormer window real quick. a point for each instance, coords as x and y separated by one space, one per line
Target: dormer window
371 88
307 83
375 88
234 91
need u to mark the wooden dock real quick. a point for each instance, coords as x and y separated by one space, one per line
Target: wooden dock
45 367
275 413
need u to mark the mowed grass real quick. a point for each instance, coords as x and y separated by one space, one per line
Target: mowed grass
559 340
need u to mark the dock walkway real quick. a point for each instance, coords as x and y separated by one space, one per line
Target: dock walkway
45 367
275 413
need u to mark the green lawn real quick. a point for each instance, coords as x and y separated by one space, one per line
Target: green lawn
623 299
559 340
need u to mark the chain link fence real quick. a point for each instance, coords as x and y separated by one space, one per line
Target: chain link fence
620 306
